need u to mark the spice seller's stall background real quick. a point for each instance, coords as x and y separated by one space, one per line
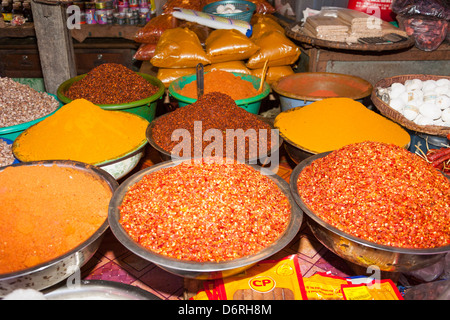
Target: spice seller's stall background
166 52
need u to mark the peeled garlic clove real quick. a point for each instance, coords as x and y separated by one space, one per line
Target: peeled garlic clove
442 82
443 101
430 110
415 95
423 121
414 84
410 112
396 90
429 85
220 8
442 90
446 115
397 104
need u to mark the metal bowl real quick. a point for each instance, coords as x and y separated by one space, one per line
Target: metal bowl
123 165
52 272
260 160
197 270
356 250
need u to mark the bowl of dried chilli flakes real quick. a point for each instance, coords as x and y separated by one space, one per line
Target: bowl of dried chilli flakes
144 107
375 204
204 219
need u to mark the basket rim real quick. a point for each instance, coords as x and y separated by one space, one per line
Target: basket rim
396 116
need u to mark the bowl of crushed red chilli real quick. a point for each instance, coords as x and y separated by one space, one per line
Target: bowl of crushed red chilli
204 220
115 87
376 204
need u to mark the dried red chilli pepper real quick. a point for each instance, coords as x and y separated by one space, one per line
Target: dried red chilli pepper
381 193
111 83
205 211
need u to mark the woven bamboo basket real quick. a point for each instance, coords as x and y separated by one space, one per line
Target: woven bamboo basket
396 116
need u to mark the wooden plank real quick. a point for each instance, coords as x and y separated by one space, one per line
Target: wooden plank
55 44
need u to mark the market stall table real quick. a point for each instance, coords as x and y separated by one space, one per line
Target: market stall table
113 262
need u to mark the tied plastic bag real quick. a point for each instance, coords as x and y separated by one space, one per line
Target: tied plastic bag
428 32
168 75
263 24
179 48
145 52
237 66
224 45
432 8
276 48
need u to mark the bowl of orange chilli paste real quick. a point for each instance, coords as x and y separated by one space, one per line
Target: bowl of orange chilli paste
204 218
54 214
376 204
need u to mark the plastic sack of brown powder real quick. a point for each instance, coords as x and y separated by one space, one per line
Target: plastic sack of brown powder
168 75
145 52
152 31
224 45
179 48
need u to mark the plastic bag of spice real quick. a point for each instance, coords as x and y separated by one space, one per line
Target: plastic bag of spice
275 47
179 48
428 32
224 45
269 280
145 52
432 8
168 75
262 24
229 66
273 73
153 30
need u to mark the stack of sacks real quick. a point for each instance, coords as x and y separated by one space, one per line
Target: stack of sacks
179 50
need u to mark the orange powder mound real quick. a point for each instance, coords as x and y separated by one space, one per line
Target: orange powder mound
224 82
46 212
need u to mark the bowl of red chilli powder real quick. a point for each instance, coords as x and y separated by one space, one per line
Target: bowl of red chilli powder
376 204
204 218
115 87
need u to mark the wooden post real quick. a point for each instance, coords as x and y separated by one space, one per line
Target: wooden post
54 43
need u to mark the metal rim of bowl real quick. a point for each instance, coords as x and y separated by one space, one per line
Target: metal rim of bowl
119 158
241 102
168 155
295 193
161 89
98 173
192 266
364 94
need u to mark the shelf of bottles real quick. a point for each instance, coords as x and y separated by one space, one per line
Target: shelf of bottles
100 12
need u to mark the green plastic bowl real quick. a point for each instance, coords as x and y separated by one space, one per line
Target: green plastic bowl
11 133
145 108
252 104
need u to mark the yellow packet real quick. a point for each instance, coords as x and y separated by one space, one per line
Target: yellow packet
322 286
382 290
267 280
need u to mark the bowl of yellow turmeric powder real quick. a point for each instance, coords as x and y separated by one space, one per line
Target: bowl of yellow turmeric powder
332 123
82 131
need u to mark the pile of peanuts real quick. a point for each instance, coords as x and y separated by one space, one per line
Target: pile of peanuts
20 103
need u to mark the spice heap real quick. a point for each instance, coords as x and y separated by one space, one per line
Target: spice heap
215 110
205 211
111 83
6 155
20 103
72 206
380 193
224 82
332 123
82 131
